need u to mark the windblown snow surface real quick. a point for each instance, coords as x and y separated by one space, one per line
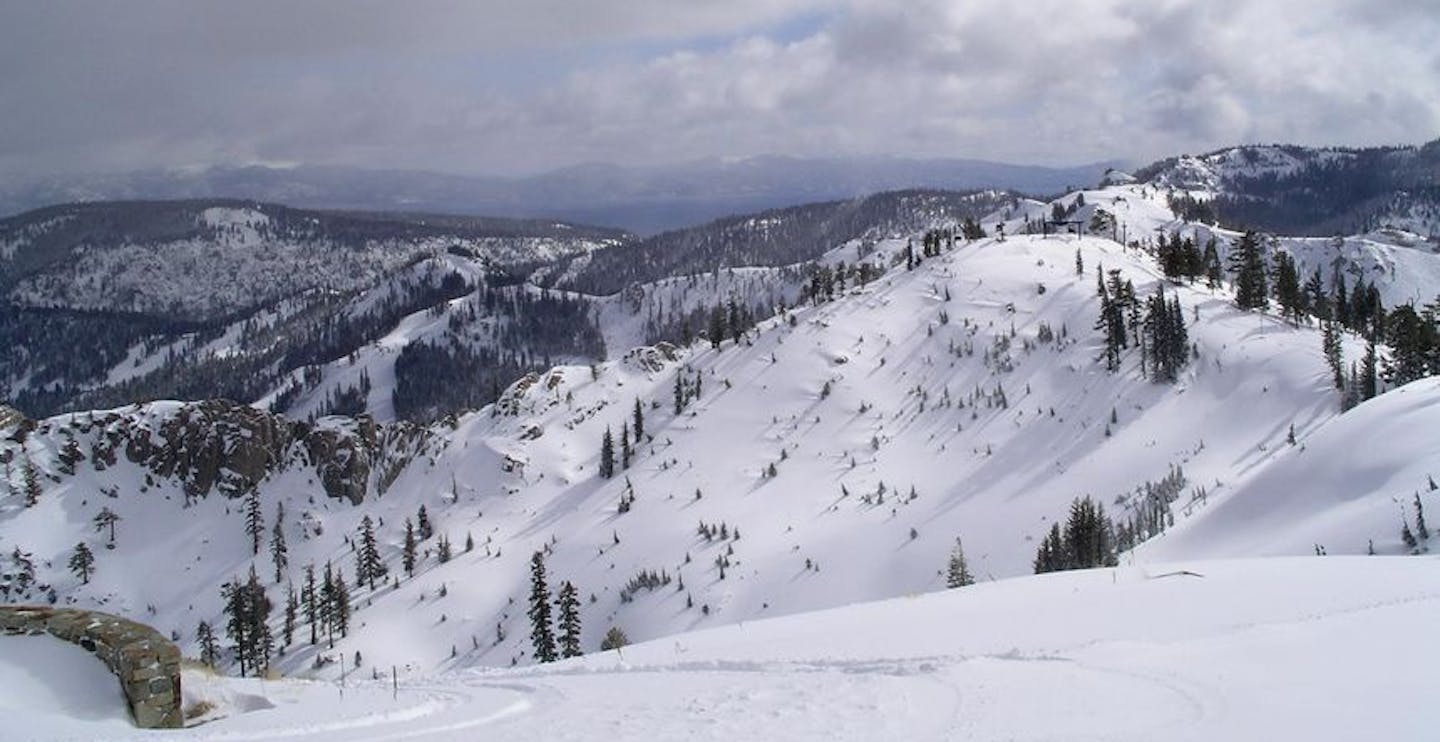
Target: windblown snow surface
1292 648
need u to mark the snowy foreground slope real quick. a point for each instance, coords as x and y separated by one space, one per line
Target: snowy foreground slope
1336 648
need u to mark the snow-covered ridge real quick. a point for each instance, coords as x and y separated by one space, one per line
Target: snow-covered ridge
842 447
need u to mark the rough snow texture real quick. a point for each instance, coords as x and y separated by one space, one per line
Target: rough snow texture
1304 648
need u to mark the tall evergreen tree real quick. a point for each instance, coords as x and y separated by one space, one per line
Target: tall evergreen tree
1414 341
292 610
407 554
340 605
1166 340
1211 260
1420 529
607 455
1330 341
326 606
369 567
639 421
1369 368
423 528
309 598
958 572
1111 322
1247 263
625 446
569 605
279 554
542 635
254 521
1287 287
82 562
209 646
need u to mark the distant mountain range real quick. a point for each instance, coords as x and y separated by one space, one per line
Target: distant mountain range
644 200
1317 192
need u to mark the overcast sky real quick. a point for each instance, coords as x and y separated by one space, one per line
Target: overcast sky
517 87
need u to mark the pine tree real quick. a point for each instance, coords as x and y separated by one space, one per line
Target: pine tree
958 574
326 606
1211 260
340 605
263 643
422 524
209 646
82 562
107 518
407 554
716 331
1079 263
309 599
369 566
542 635
1247 262
1112 320
639 421
254 521
607 455
1369 371
237 625
279 555
442 549
625 446
569 604
1287 286
1420 529
31 482
1330 341
292 609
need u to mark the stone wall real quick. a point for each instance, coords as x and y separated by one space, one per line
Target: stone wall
146 663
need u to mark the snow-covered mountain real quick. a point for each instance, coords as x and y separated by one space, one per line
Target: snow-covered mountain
640 199
202 299
409 316
833 454
1307 190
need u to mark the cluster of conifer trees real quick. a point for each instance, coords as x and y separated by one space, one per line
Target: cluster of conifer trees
548 645
1087 540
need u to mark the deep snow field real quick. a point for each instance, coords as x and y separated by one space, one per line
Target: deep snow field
1302 648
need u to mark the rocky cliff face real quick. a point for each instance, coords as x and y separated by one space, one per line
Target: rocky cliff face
215 447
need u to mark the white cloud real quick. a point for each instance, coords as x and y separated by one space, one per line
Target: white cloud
525 86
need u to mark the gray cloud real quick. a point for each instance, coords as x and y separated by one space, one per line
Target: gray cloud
524 86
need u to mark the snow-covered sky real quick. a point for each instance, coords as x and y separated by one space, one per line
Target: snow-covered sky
521 86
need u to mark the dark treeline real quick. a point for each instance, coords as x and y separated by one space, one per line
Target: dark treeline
1335 191
777 237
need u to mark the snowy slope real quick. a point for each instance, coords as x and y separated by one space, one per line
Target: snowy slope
1302 648
1348 487
914 402
1403 266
